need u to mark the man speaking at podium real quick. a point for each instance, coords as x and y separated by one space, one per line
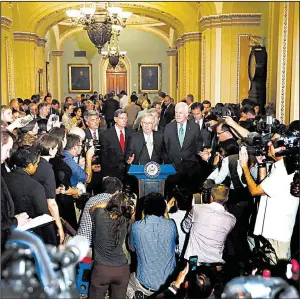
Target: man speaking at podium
146 145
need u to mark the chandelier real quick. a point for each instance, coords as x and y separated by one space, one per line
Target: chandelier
112 52
99 23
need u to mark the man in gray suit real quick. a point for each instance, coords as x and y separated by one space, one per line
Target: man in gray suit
183 143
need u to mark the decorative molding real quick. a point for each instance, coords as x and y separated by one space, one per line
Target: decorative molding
203 70
238 67
41 42
191 36
172 52
57 53
8 69
5 22
283 63
26 36
179 42
234 19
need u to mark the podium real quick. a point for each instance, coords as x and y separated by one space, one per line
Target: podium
151 177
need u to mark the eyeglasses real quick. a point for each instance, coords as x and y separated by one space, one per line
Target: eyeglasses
144 123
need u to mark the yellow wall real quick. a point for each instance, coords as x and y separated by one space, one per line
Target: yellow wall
208 57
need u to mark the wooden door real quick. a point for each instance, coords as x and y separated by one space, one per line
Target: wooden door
116 81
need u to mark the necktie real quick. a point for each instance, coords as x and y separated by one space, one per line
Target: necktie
94 135
122 141
181 135
149 145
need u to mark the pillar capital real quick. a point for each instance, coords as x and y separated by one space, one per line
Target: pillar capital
179 42
5 23
41 42
191 36
234 19
26 36
172 52
57 52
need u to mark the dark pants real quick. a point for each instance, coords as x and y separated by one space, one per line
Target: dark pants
67 210
104 276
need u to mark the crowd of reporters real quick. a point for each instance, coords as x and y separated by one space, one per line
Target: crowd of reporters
236 188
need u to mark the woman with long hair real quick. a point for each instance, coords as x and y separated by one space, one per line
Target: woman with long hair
111 267
77 119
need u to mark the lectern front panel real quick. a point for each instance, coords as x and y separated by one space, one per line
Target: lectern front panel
151 185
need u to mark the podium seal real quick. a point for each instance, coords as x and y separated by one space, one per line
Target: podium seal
152 170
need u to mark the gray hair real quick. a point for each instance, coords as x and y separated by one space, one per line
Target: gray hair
119 112
184 106
150 116
89 113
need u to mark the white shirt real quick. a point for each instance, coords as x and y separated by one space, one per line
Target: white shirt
97 133
119 132
200 123
178 217
220 175
209 225
277 210
124 101
149 143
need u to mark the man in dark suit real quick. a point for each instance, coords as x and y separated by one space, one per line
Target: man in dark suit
196 112
108 109
92 133
113 143
161 120
183 144
169 111
146 145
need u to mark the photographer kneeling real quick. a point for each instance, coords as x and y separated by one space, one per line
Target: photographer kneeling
209 225
277 208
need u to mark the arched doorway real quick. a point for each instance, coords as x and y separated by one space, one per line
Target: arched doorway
116 79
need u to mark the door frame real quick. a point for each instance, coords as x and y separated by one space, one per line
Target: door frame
102 71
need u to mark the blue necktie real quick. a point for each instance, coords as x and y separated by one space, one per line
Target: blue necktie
181 135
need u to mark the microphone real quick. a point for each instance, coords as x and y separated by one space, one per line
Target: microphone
74 251
139 156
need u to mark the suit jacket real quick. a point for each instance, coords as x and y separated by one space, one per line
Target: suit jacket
186 156
162 123
169 113
109 108
137 146
88 134
205 134
111 155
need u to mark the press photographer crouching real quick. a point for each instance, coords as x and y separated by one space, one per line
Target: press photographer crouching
208 225
277 208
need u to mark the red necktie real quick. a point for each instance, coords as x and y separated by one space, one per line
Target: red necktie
122 141
94 135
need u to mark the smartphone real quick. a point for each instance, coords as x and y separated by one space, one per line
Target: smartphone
193 260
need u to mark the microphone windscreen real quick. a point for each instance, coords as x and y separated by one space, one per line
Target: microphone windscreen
81 244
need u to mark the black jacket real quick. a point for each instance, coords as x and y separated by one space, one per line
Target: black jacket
111 155
186 156
169 113
109 108
137 146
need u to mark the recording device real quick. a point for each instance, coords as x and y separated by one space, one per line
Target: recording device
32 270
206 191
193 260
231 110
295 185
259 287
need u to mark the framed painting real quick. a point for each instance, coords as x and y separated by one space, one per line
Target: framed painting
80 78
150 77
